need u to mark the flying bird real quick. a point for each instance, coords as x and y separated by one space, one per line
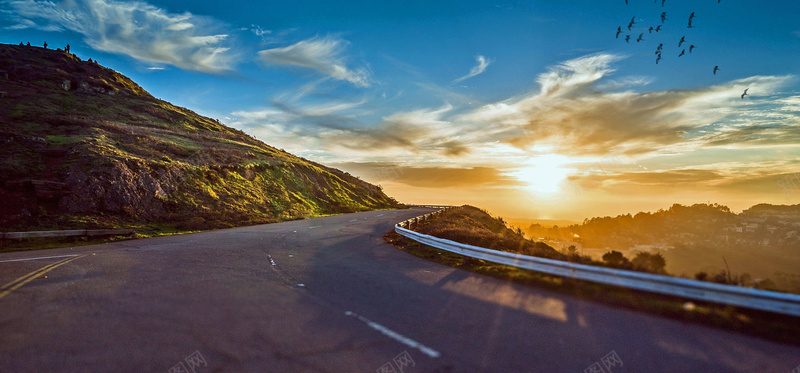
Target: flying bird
745 93
658 28
660 47
690 24
627 38
640 38
650 30
682 53
715 69
663 16
619 31
683 40
633 20
658 58
662 3
691 47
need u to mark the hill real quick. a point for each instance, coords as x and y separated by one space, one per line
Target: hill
473 226
82 146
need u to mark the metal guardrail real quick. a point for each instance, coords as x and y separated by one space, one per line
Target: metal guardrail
67 233
783 303
418 219
432 206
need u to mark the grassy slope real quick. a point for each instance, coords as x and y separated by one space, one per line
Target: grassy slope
473 226
118 157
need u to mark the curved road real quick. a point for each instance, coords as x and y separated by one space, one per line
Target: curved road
337 299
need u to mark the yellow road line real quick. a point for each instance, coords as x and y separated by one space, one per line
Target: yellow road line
16 284
10 284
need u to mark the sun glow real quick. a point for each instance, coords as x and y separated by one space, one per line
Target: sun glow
544 174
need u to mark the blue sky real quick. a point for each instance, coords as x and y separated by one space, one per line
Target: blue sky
528 108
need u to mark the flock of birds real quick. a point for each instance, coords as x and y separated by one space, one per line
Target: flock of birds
660 49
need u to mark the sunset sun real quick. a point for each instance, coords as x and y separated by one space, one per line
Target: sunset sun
543 174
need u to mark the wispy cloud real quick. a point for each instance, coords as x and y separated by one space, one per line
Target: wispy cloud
258 31
321 54
139 30
572 113
755 177
431 176
478 69
334 128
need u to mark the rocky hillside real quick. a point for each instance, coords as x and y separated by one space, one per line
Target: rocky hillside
84 146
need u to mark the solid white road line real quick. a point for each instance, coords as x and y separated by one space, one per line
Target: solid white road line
37 258
395 335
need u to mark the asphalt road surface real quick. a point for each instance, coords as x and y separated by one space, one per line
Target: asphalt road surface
325 295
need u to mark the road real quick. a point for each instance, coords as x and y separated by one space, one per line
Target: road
325 295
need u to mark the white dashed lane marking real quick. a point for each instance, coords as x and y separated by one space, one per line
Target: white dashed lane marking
395 335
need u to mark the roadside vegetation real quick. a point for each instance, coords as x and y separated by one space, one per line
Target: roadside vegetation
476 227
473 226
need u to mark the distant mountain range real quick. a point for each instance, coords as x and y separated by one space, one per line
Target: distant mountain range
83 146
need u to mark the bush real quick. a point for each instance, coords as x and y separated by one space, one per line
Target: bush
647 262
615 259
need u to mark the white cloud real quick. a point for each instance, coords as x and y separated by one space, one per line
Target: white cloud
320 54
576 73
136 29
258 31
576 112
478 69
333 128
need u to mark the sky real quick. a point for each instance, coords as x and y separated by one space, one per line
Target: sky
529 109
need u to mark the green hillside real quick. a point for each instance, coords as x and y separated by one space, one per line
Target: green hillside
82 146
